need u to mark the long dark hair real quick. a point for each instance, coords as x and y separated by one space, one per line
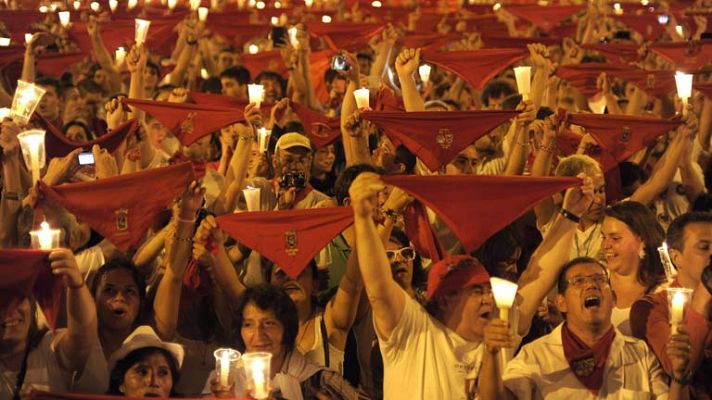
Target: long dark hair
116 377
269 298
641 221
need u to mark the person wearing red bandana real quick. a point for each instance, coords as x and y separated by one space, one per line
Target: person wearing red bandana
586 357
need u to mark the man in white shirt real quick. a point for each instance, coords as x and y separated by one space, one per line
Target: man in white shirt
586 357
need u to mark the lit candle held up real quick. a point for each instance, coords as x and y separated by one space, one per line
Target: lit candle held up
264 135
256 94
45 238
33 151
142 26
684 89
362 98
523 77
27 97
252 198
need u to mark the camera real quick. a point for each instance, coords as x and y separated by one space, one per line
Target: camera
293 179
339 63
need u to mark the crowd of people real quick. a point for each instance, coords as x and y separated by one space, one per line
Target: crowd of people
345 185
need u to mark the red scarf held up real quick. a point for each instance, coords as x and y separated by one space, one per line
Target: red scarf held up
437 137
476 67
476 207
587 363
26 272
189 122
122 208
289 238
57 145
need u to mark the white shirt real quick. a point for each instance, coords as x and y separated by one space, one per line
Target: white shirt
424 359
540 371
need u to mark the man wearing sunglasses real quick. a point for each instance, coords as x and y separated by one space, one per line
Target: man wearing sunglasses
586 357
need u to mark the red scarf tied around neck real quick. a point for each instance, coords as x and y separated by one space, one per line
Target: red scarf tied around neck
587 363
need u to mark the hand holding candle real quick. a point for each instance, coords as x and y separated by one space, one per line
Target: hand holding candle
523 77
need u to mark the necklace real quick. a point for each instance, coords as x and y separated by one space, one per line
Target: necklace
587 242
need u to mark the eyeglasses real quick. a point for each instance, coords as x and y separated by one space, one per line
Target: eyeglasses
405 253
580 280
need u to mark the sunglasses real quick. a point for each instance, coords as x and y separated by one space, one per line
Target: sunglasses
405 253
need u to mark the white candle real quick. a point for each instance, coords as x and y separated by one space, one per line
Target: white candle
523 77
120 55
264 135
4 42
256 93
203 13
132 4
362 98
253 49
684 89
252 198
45 238
64 18
33 150
326 19
504 293
94 6
424 72
113 4
142 26
194 4
28 38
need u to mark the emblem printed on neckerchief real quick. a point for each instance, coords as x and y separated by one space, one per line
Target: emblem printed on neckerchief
187 125
583 366
445 138
290 243
122 219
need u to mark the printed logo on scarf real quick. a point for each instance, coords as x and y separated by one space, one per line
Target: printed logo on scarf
290 243
122 219
445 138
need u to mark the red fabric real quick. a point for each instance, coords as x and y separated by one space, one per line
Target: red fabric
621 136
543 17
477 67
265 61
453 274
122 207
420 233
54 64
26 272
476 207
687 56
576 350
584 76
705 89
344 35
646 24
494 41
654 83
616 53
321 130
437 137
11 54
288 238
57 144
189 122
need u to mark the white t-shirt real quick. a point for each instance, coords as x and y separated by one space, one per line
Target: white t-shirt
43 370
540 371
424 359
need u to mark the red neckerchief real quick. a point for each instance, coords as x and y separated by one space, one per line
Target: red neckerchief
587 363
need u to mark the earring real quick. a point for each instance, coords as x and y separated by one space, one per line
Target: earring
641 253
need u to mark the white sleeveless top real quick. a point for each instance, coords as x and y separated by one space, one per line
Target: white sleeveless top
316 353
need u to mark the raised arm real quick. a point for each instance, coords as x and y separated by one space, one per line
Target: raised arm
406 65
178 249
386 297
546 262
75 346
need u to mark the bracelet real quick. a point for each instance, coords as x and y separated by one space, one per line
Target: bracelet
76 287
570 216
